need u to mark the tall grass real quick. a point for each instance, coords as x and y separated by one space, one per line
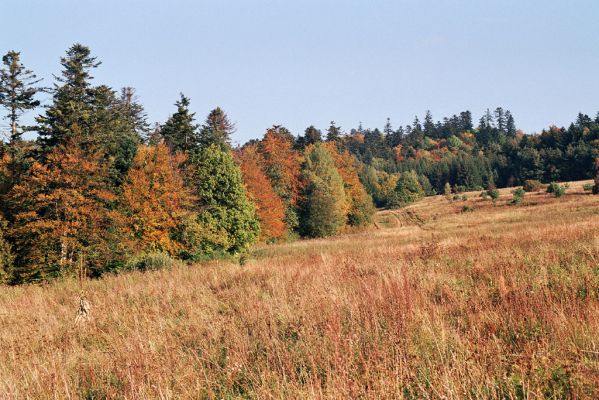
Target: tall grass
501 302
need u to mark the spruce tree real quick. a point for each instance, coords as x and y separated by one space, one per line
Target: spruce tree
225 211
179 131
18 88
408 190
333 133
72 109
217 129
324 207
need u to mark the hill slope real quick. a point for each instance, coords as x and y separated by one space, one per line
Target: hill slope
501 301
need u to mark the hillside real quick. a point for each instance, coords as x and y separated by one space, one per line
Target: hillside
437 301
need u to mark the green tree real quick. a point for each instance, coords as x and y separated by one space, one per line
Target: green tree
73 98
217 129
6 256
408 190
323 211
333 133
225 211
17 91
179 131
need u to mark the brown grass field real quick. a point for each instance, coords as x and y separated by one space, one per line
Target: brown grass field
500 302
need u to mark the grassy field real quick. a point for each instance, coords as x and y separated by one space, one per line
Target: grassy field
438 301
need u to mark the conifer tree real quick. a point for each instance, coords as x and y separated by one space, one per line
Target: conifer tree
333 133
324 206
225 210
179 131
217 129
72 107
18 88
408 190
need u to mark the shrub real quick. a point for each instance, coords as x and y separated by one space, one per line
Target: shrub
587 187
518 196
464 197
557 189
484 195
532 185
149 262
493 194
447 191
456 197
467 209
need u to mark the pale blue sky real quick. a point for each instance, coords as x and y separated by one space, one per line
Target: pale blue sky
298 63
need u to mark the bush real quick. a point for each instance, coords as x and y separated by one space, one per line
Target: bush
532 185
456 197
493 194
484 195
587 187
518 196
149 262
557 189
464 197
467 209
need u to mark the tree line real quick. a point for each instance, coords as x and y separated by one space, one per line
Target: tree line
99 188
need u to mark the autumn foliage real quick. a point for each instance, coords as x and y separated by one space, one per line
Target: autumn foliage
155 202
269 206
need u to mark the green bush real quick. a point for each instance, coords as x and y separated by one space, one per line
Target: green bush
532 185
467 209
484 195
557 189
518 196
149 262
464 197
587 187
493 194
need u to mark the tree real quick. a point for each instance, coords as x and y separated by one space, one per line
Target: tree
225 210
270 209
360 206
155 203
311 136
217 129
282 166
408 190
333 133
64 217
324 207
510 125
6 256
71 110
17 91
179 131
447 191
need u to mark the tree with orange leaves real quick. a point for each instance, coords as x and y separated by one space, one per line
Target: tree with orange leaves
269 206
155 202
282 166
360 207
63 219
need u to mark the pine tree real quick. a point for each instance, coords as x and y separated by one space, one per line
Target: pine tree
217 129
500 119
324 207
6 256
333 133
270 209
224 207
18 88
510 125
72 107
179 131
429 125
311 136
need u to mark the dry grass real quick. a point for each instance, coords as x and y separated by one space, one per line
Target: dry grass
500 302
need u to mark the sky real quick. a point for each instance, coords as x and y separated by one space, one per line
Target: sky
303 62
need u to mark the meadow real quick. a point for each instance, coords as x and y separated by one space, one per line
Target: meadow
438 301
